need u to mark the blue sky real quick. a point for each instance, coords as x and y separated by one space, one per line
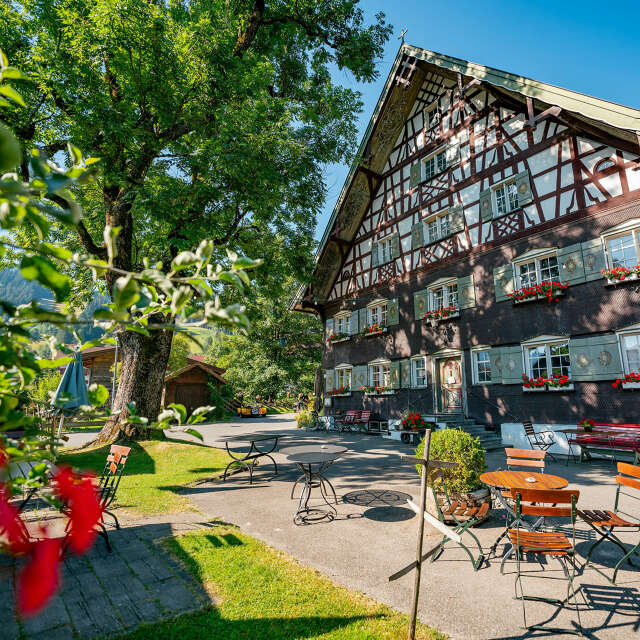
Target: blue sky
591 47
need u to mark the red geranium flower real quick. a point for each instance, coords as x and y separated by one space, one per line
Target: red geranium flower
39 579
12 526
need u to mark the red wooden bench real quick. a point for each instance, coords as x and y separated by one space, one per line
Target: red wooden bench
608 438
363 419
349 420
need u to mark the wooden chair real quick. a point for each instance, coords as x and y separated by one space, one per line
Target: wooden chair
605 522
349 420
558 504
528 458
542 440
465 516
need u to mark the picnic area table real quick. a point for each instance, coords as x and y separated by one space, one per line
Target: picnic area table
604 438
500 481
313 460
249 459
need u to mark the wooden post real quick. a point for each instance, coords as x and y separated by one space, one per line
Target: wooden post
423 504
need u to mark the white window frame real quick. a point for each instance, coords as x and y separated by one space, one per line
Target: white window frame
446 295
344 370
385 249
546 342
634 330
494 194
536 259
441 151
342 323
631 227
414 366
384 373
428 122
381 308
475 351
439 217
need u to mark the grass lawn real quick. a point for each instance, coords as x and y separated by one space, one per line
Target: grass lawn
264 594
155 470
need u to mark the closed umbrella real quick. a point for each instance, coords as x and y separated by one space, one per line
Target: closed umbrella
74 386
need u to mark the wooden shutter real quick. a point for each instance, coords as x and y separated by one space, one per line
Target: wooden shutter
595 358
593 259
512 365
405 373
495 357
414 175
328 328
395 245
503 282
374 254
486 205
393 315
457 219
571 264
360 377
329 380
363 320
417 235
353 322
394 370
420 303
523 186
466 293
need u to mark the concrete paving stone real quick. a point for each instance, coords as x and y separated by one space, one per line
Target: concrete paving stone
111 567
103 614
142 569
176 596
53 616
89 585
80 619
64 632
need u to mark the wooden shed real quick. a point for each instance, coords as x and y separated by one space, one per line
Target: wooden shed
189 385
98 365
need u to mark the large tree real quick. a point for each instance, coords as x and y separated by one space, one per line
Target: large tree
212 119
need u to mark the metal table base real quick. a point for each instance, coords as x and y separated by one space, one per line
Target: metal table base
314 480
250 460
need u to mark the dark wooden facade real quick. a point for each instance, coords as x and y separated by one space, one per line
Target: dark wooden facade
98 363
575 169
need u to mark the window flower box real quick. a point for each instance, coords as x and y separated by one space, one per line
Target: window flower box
621 274
377 391
338 337
555 383
373 330
340 391
567 387
630 381
549 290
438 315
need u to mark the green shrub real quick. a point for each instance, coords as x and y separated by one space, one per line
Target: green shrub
305 420
455 445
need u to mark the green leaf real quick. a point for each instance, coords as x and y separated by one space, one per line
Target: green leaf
242 262
53 364
12 94
180 408
98 394
10 153
56 251
75 153
110 234
4 63
168 415
194 433
42 270
11 73
125 292
184 260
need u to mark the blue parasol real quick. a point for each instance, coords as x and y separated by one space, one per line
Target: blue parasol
74 387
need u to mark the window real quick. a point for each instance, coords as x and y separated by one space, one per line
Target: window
537 271
377 314
419 371
432 116
506 197
443 296
544 360
624 250
385 250
344 377
435 164
481 366
630 345
438 226
605 163
342 324
380 374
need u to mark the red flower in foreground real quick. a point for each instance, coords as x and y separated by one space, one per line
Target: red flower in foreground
39 579
84 510
12 527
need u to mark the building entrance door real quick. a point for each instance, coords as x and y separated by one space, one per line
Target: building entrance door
450 385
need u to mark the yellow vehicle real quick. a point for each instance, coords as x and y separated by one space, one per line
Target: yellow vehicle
252 409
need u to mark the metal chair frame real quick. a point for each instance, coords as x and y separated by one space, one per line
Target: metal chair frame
536 439
546 503
607 532
460 529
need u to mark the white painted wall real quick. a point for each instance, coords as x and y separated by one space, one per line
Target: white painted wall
513 436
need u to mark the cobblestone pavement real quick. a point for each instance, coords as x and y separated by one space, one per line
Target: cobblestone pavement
109 593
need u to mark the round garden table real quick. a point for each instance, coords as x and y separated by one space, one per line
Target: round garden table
503 481
313 460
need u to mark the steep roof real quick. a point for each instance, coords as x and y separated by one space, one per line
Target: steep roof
619 121
192 363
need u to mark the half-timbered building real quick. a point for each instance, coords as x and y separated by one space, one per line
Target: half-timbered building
478 196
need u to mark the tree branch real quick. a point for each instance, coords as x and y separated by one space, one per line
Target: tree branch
246 38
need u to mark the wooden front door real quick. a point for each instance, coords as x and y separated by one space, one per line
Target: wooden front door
450 383
192 395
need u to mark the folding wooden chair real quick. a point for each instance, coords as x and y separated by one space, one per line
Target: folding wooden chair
542 440
525 458
349 420
605 522
109 483
558 504
456 511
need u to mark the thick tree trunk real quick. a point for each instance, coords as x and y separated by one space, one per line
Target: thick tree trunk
144 364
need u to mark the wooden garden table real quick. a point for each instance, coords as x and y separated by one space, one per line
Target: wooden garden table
499 481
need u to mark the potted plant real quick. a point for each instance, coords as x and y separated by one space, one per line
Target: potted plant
587 425
463 481
620 274
373 330
413 422
533 384
630 380
558 381
338 337
433 317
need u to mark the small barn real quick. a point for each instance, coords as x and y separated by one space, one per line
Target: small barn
98 366
189 385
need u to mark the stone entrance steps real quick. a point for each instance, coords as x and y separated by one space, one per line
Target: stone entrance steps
488 439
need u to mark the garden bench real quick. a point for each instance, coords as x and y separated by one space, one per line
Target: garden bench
363 420
608 438
349 420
